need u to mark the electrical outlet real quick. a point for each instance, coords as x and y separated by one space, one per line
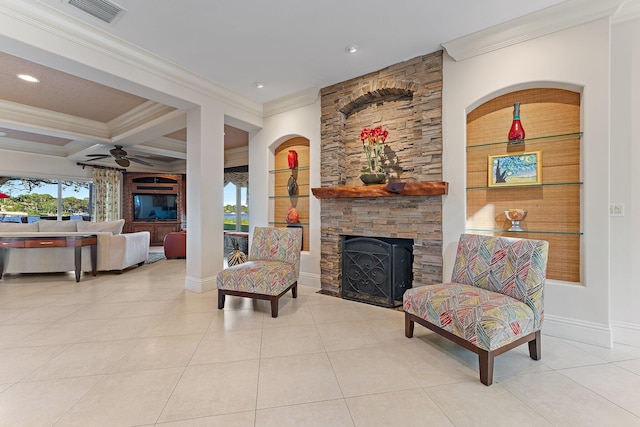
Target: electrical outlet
616 209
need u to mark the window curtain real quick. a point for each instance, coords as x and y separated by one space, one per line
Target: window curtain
240 179
106 188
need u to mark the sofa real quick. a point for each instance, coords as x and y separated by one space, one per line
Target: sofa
115 251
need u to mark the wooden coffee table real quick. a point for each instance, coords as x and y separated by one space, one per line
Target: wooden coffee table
77 242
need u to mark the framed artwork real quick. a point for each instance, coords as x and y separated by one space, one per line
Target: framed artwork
507 170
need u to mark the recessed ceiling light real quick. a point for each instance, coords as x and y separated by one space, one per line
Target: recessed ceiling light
258 85
352 48
28 78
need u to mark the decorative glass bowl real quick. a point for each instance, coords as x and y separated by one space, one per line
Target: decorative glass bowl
515 216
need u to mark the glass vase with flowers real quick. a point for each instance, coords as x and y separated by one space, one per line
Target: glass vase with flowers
372 142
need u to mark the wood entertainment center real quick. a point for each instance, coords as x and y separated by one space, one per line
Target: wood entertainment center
154 202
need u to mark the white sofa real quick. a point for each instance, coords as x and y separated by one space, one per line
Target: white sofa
116 251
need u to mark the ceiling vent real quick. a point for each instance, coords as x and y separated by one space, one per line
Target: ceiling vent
106 11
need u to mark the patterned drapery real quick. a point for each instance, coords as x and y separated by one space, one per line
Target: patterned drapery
106 184
240 179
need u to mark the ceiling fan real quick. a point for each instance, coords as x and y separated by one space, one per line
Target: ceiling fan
121 157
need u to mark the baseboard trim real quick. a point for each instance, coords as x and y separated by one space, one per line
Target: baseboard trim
578 330
309 279
200 285
626 333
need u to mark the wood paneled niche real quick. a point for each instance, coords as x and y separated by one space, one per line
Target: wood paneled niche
551 120
299 200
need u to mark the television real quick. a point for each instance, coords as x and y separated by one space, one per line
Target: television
155 207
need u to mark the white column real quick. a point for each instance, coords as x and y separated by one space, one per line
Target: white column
205 194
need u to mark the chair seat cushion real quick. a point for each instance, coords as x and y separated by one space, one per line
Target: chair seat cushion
259 277
484 318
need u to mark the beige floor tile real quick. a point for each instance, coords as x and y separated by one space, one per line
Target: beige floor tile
29 301
241 419
183 324
296 379
367 371
229 320
125 328
10 335
124 399
97 311
630 365
612 382
292 314
347 335
159 353
618 353
228 347
559 354
374 312
402 408
332 413
431 366
564 402
147 308
46 314
289 341
17 363
189 304
61 333
474 404
42 403
215 389
336 313
82 359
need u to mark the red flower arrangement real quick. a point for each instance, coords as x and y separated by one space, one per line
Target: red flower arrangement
372 140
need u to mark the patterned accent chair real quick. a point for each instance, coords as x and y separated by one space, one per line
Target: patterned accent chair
272 269
493 303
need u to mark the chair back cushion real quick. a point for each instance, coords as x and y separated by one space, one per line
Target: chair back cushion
510 266
276 244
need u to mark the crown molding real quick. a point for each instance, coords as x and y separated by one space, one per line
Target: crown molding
55 124
76 31
139 116
546 21
629 11
297 100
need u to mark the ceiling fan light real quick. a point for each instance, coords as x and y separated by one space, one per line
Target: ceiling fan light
123 162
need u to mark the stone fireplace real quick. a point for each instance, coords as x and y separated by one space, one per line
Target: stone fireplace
406 99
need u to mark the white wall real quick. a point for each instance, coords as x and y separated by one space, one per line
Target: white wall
305 122
625 178
38 166
577 58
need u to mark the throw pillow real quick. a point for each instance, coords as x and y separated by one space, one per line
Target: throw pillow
14 227
52 225
114 227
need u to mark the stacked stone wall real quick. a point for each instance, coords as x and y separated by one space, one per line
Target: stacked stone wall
405 99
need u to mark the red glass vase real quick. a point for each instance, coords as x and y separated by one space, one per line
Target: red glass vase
516 133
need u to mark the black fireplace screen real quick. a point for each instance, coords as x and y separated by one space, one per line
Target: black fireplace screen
376 270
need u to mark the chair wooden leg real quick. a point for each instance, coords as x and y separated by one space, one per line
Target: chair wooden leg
408 326
274 307
485 360
294 290
220 300
535 347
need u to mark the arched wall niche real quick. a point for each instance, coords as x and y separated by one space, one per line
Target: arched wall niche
282 199
550 117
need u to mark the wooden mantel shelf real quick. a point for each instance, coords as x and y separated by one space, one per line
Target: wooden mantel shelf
392 189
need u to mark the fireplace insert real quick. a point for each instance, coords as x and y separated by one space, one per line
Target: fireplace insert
376 270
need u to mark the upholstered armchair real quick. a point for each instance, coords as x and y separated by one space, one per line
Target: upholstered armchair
493 303
272 269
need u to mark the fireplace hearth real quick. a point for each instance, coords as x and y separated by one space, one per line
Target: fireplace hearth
376 270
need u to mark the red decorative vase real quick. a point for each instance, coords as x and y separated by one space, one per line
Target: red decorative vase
516 133
292 216
292 159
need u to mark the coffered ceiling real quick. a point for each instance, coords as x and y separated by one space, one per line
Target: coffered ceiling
287 45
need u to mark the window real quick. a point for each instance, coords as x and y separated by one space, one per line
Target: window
32 199
236 208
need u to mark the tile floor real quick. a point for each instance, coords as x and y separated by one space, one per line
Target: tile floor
136 349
